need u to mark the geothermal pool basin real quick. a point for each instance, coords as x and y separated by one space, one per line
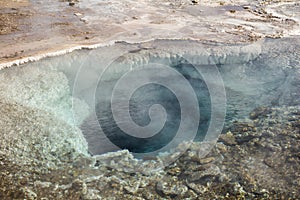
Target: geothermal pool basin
225 83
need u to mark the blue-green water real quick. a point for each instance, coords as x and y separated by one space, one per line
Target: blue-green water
75 89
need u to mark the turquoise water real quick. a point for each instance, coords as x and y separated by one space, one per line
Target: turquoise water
139 105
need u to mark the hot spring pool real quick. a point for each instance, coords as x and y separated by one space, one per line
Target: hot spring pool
150 97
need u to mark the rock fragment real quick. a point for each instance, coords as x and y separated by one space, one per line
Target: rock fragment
227 139
195 1
171 189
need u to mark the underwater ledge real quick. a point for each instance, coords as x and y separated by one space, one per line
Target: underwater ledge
39 56
58 79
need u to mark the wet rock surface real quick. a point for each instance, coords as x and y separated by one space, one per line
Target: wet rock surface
102 23
11 14
262 164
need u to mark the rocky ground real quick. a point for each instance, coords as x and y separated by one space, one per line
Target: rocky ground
257 158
